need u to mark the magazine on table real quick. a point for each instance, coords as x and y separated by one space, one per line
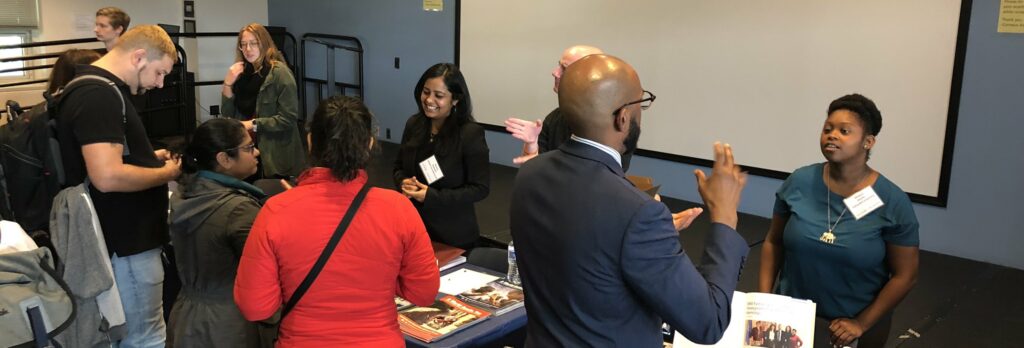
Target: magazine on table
446 316
764 320
497 297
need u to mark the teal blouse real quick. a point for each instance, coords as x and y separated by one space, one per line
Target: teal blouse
842 278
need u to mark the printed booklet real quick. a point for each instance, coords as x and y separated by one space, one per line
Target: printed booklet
497 297
440 319
764 320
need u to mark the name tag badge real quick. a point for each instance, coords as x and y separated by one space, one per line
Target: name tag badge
431 170
863 202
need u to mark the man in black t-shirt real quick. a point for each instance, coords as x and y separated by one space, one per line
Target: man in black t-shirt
541 137
128 179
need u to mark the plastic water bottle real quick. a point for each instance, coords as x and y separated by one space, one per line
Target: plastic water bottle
513 269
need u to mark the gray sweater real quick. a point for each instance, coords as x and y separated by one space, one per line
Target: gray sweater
85 267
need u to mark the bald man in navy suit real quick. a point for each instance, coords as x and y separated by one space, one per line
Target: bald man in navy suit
600 260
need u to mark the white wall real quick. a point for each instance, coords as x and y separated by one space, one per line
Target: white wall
209 57
216 54
73 19
758 75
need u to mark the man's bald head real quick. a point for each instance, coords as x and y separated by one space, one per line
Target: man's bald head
569 56
591 90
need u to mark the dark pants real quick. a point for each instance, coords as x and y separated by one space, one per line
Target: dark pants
876 336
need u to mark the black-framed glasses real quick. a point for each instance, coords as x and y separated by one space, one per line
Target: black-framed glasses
250 147
645 102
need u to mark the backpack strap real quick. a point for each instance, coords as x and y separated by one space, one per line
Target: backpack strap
120 96
80 80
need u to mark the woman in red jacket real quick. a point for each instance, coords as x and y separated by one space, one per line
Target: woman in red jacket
385 251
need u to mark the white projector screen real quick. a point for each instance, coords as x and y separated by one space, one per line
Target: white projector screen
756 74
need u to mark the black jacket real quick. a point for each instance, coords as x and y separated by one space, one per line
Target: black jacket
448 211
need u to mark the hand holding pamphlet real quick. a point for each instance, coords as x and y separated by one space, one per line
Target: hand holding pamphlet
764 320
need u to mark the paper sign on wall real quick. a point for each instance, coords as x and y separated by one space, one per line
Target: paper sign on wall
433 5
1011 16
83 24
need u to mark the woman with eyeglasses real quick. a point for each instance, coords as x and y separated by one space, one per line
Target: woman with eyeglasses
211 214
443 163
383 252
259 89
855 261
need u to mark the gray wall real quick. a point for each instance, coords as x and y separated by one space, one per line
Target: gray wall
387 29
987 163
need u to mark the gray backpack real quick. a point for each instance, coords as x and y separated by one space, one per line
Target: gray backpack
34 302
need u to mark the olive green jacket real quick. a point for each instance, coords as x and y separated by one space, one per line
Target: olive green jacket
276 121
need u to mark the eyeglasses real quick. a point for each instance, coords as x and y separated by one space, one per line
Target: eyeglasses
645 102
247 148
244 45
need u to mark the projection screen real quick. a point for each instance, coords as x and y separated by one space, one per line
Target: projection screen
756 74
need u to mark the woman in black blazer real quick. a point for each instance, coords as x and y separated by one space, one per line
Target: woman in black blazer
444 135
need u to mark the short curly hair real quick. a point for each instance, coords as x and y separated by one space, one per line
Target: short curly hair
863 107
339 136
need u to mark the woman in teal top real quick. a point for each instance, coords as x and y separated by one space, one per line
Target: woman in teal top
260 90
855 270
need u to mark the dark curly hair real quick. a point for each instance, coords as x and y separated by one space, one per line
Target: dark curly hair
210 138
863 107
461 114
339 136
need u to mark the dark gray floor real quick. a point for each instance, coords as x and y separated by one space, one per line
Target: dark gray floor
956 303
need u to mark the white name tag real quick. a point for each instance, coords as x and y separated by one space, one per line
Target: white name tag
431 170
863 202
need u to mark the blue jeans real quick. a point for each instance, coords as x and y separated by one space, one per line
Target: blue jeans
140 280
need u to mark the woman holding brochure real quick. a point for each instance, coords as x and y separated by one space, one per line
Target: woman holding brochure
842 235
443 162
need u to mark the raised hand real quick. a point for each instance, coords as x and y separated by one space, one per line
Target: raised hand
683 219
526 131
233 72
721 192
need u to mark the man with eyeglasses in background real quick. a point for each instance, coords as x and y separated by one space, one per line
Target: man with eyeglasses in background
600 261
542 136
537 136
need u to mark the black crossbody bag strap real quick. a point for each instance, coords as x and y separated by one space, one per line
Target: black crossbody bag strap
328 251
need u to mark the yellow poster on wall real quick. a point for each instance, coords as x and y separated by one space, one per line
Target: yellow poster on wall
1011 16
433 5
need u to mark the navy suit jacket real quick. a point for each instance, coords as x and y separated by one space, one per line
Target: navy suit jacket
601 262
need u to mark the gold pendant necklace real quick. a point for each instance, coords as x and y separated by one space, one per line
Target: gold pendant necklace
828 236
